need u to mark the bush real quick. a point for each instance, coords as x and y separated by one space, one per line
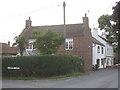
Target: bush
95 67
40 66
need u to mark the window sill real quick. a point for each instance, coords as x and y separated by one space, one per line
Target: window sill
68 49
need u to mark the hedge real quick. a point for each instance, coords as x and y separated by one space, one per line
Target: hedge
40 66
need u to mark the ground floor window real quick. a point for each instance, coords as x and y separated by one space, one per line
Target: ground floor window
107 61
111 61
98 62
102 61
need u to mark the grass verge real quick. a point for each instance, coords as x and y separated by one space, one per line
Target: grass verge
71 75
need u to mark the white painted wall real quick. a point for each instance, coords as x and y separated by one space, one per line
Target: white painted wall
108 48
96 55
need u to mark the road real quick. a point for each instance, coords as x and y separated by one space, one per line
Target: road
106 78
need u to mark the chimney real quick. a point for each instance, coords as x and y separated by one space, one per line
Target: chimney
85 19
95 32
9 43
28 23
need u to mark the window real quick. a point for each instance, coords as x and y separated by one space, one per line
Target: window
107 51
34 46
66 45
107 61
30 46
102 50
98 49
69 44
102 61
98 62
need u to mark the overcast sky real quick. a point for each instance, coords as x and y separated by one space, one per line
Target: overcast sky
48 12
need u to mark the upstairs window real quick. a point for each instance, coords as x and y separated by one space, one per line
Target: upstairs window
30 46
102 51
98 49
34 46
69 44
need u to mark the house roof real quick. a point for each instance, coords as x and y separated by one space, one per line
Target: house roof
103 38
71 30
96 41
106 40
6 49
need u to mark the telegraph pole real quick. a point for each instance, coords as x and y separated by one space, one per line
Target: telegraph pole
64 5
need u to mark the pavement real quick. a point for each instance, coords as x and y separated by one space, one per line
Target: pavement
105 78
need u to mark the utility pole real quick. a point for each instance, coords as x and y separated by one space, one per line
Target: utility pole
64 5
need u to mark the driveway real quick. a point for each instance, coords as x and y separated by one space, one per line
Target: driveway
106 78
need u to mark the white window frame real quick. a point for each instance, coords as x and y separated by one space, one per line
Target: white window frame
68 44
31 47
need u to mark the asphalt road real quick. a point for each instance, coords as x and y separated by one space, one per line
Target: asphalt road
106 78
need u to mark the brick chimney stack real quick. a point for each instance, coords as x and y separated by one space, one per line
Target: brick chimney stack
85 19
28 23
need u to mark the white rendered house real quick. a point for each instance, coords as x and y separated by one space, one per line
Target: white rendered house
108 48
98 54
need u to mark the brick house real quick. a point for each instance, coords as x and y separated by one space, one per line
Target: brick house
7 50
78 39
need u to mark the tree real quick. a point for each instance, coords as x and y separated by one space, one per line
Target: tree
21 42
116 26
105 23
48 41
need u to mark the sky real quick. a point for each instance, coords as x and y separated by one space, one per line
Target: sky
48 12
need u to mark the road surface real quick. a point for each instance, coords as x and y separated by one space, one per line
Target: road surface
106 78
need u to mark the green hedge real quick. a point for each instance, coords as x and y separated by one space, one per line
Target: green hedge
40 66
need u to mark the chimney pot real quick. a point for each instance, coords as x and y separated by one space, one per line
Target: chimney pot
85 15
85 19
9 43
29 18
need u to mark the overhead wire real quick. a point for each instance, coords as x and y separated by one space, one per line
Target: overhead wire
38 10
105 11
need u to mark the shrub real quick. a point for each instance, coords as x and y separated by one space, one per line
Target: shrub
95 67
40 66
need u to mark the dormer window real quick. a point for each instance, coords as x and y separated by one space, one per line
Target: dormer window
30 45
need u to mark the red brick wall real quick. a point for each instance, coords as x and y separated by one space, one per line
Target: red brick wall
82 46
